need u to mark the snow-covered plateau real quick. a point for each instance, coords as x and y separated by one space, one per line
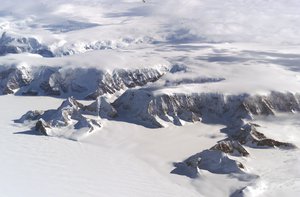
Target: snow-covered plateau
153 98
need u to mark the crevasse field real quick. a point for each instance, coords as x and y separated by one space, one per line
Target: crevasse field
132 98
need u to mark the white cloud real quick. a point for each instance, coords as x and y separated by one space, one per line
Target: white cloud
276 21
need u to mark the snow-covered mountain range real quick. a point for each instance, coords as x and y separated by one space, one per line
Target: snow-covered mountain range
149 98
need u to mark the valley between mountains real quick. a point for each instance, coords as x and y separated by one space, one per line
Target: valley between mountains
122 98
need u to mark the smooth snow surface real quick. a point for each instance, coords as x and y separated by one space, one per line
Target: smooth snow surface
135 161
41 166
149 61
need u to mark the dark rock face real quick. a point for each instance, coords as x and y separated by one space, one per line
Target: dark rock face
17 44
56 81
101 108
70 112
214 161
121 79
249 135
42 126
207 107
30 116
14 78
231 147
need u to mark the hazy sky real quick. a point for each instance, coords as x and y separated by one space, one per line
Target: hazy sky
273 21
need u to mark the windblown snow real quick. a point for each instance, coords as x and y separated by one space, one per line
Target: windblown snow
149 98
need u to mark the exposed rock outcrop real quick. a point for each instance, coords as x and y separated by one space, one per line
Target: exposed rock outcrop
120 79
230 147
214 161
101 107
10 43
71 114
41 126
13 78
152 110
249 136
63 82
30 116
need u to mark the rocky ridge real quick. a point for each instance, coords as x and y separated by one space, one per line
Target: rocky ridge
217 159
146 108
234 111
64 82
13 44
71 113
142 106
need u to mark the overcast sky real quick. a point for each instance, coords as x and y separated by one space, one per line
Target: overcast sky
273 21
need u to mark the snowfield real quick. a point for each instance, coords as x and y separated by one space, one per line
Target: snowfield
149 98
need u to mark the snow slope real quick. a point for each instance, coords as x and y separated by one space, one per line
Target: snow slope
226 72
133 162
36 165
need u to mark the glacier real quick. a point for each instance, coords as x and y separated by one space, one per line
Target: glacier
149 98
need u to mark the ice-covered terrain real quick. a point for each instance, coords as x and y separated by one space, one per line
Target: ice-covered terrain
149 98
